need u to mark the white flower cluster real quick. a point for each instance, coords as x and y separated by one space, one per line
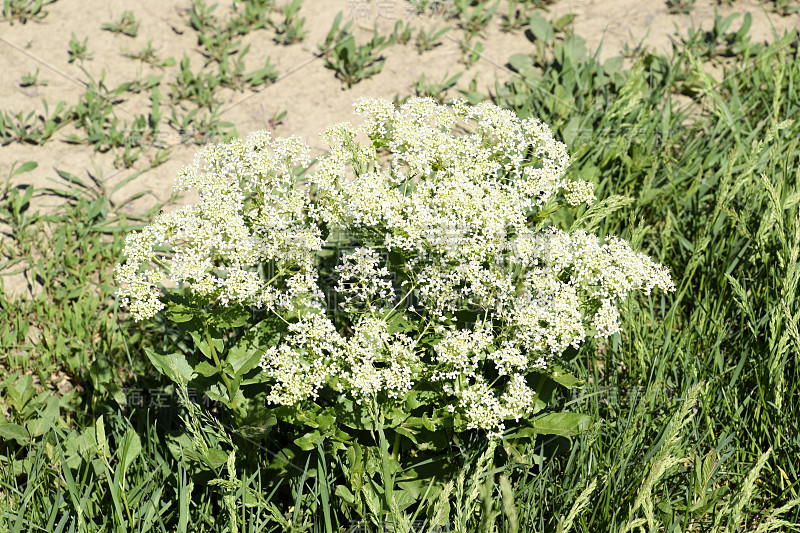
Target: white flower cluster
361 280
449 196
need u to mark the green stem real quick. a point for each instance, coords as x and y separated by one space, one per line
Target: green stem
218 364
388 479
396 447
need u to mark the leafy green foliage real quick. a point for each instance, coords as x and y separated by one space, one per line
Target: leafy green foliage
681 7
436 90
353 62
149 55
25 10
428 40
32 80
290 30
78 50
127 25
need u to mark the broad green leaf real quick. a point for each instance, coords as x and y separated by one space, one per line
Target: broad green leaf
564 378
204 368
12 431
27 166
564 424
345 494
231 316
520 62
540 28
100 437
215 457
309 441
562 22
131 448
174 366
180 313
246 354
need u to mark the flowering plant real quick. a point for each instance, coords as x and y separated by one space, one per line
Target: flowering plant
411 269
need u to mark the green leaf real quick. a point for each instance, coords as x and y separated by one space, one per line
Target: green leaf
562 22
564 378
131 448
309 441
174 365
27 166
11 431
100 437
231 316
345 494
204 368
564 424
216 457
520 62
540 28
180 313
116 392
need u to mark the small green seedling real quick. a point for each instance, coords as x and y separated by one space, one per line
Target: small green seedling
24 10
785 7
262 76
721 42
198 88
139 85
232 72
680 7
217 45
291 29
32 80
201 17
31 128
428 40
276 119
470 53
254 16
475 20
196 128
78 50
149 55
515 18
436 90
127 25
353 62
402 32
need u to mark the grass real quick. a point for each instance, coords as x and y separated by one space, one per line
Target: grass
693 404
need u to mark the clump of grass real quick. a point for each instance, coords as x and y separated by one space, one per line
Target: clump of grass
33 127
290 29
436 90
353 62
149 55
25 10
78 50
474 20
680 7
126 25
32 80
430 39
